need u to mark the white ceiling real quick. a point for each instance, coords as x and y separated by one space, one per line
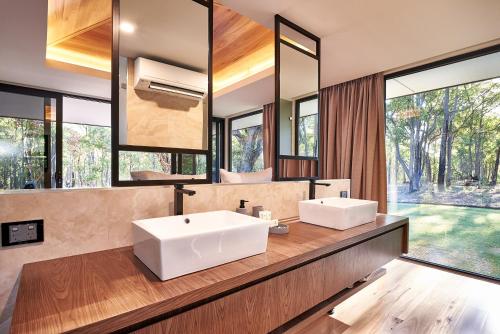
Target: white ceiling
246 122
23 34
298 73
80 111
361 37
485 67
171 31
247 98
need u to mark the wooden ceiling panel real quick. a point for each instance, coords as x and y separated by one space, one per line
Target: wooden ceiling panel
242 47
79 36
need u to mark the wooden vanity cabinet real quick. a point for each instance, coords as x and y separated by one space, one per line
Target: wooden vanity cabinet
344 268
269 304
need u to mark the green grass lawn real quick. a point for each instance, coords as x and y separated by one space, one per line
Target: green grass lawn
459 237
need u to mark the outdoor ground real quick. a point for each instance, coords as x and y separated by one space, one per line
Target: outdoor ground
484 196
461 237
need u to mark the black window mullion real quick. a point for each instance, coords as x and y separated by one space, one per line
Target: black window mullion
59 142
47 126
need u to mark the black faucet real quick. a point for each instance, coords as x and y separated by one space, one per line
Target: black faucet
312 187
179 192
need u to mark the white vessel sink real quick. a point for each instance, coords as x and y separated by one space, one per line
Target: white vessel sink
178 245
337 213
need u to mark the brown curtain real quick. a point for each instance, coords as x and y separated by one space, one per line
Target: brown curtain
268 116
298 168
352 137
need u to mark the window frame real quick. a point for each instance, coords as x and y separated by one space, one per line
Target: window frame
58 96
230 133
297 118
218 162
424 67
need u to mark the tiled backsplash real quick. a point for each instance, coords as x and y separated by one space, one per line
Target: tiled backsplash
89 220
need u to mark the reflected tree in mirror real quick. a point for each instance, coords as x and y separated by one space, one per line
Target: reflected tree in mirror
308 138
140 161
247 149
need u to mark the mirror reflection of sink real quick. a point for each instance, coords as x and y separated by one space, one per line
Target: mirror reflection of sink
337 213
178 245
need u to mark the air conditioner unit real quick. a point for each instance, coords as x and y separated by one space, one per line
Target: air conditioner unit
153 76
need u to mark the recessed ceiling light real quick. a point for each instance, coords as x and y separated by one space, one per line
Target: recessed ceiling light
127 27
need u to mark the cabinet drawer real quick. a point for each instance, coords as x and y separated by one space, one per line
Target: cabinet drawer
256 309
344 268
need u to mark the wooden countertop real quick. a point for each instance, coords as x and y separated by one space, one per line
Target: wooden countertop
110 290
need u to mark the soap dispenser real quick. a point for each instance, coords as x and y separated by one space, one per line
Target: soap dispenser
242 208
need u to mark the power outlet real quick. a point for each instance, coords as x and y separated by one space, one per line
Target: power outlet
23 232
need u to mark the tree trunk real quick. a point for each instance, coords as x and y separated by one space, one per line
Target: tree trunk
478 151
449 146
444 137
494 172
428 168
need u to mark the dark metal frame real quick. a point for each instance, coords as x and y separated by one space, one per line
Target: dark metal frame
230 130
297 118
116 147
219 147
58 97
277 42
451 269
425 67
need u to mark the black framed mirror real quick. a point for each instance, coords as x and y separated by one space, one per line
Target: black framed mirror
297 77
161 92
243 97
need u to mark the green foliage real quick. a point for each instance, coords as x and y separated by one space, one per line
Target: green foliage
86 156
460 237
247 150
308 135
414 130
22 158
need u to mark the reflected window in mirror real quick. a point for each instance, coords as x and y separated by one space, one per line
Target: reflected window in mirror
246 147
306 125
160 166
243 84
298 82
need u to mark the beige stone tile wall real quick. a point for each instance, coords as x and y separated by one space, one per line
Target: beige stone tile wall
89 220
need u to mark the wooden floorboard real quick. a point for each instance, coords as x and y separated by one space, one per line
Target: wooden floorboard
413 298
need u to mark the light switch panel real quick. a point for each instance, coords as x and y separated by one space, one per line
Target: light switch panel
22 232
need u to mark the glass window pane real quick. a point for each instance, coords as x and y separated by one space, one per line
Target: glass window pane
247 144
144 166
86 143
443 152
27 131
308 128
